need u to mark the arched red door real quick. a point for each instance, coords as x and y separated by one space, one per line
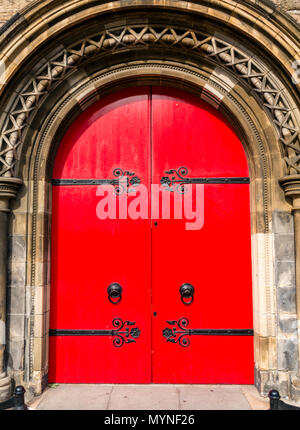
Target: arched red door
151 262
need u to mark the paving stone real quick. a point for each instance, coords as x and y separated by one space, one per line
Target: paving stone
150 397
76 397
213 397
255 401
144 397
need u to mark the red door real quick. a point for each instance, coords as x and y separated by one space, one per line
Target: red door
89 254
212 252
152 136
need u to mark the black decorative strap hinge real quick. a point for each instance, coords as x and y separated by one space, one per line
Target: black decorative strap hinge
122 182
179 333
122 333
176 180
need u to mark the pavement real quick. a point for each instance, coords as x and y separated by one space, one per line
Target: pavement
149 397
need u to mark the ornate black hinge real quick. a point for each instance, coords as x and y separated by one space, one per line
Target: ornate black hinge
122 182
178 333
121 337
178 178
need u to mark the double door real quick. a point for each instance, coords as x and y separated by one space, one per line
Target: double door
151 256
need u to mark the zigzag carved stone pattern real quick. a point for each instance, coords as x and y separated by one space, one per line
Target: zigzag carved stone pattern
258 76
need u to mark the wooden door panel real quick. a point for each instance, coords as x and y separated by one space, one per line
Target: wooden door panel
88 254
151 258
106 136
207 360
189 132
215 259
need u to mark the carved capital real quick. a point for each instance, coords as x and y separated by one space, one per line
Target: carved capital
291 187
8 190
275 97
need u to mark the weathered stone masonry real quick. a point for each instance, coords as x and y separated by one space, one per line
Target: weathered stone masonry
238 56
8 8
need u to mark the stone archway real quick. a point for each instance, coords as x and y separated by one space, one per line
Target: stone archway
71 71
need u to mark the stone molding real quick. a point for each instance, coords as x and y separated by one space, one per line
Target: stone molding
260 21
9 7
274 96
86 92
9 188
291 186
55 70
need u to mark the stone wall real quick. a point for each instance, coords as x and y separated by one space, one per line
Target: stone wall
290 6
27 311
9 7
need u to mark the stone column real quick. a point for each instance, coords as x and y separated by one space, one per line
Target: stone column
291 186
8 189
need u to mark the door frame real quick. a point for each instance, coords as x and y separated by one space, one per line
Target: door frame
248 129
49 32
173 84
251 124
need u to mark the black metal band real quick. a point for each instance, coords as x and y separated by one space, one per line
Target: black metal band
177 179
122 182
210 332
56 332
223 332
179 332
84 181
121 336
244 180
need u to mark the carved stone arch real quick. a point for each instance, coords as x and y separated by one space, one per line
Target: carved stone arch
250 124
243 63
197 47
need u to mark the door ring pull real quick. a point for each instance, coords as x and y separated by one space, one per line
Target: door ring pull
187 293
114 291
